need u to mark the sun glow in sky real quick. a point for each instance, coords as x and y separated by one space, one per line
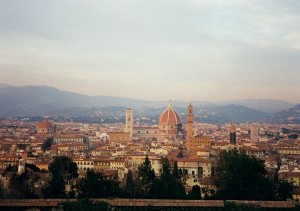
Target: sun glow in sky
156 50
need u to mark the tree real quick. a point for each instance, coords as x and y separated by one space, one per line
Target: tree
175 171
195 193
96 185
33 167
61 168
131 189
47 144
284 190
56 188
146 176
20 187
242 177
169 184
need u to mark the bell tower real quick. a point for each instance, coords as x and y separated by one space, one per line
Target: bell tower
190 122
232 134
129 121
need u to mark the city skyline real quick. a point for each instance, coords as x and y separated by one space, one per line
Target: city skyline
183 50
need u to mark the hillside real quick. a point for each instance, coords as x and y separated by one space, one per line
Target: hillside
264 105
34 101
288 116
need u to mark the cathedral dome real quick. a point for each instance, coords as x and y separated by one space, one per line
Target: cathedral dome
45 124
169 117
45 127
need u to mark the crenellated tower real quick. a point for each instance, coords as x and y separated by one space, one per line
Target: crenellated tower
190 122
232 134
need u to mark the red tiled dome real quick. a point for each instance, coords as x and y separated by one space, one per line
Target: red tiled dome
45 124
169 117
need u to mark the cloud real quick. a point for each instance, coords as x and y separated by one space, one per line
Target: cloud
153 49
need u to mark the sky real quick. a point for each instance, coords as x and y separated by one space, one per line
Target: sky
154 49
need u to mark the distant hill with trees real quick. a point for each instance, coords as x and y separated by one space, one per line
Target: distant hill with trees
37 101
288 116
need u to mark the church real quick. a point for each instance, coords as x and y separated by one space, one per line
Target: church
169 126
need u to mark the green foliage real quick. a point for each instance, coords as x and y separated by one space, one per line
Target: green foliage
61 168
169 184
33 167
242 177
47 144
132 187
175 171
21 146
96 185
86 205
146 176
195 193
2 191
20 187
284 190
56 188
11 168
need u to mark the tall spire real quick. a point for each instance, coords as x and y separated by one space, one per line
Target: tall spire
190 122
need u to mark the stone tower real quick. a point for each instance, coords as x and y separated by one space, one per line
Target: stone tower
129 121
232 134
254 134
190 122
21 166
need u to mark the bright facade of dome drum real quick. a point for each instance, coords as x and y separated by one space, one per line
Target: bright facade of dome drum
45 127
170 122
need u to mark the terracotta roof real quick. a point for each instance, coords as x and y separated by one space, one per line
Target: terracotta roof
169 117
146 127
45 124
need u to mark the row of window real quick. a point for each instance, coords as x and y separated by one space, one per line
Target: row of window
92 163
68 140
289 152
146 131
84 163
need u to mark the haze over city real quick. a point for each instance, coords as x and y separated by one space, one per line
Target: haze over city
155 50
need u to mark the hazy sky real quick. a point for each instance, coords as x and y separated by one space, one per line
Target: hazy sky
148 49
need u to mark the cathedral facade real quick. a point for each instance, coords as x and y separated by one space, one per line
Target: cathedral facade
169 126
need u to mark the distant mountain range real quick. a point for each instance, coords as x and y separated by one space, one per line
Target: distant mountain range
33 101
288 116
267 106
